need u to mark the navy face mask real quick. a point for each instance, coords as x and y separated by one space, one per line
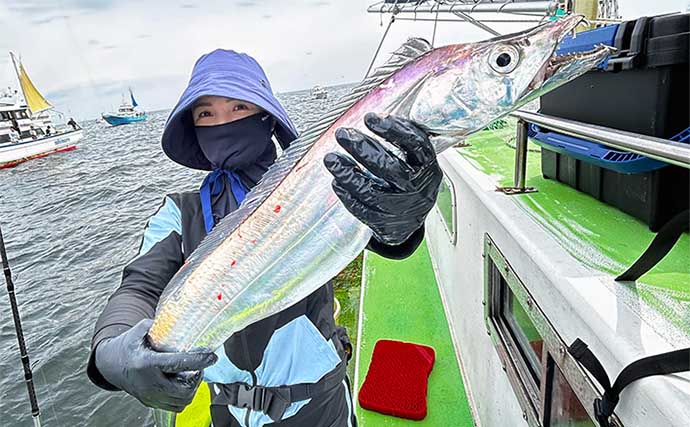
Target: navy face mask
239 146
240 153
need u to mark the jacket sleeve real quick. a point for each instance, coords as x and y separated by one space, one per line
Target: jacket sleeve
401 251
143 281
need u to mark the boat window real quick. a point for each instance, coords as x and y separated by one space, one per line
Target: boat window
526 342
512 332
564 408
4 138
5 115
523 332
445 205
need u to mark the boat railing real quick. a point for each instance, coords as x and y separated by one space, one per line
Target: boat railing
664 150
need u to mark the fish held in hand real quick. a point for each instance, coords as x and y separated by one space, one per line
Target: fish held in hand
292 234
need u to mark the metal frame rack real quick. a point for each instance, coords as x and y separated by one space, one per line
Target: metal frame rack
531 7
608 9
501 11
481 12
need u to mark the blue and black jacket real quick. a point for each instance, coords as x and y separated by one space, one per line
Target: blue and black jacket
297 347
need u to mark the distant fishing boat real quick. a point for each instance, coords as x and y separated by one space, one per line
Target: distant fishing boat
26 128
126 113
317 92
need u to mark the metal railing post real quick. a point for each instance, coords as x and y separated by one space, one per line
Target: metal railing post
520 173
520 155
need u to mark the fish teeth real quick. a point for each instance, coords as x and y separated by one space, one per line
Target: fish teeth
579 55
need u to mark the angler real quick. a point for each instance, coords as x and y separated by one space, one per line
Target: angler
225 123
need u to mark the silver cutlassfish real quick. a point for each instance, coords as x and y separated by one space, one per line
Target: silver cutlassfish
292 234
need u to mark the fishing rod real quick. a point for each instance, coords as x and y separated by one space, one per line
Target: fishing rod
28 377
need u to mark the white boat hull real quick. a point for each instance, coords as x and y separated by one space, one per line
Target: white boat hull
13 153
578 301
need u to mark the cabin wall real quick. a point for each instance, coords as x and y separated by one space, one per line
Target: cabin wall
578 302
460 275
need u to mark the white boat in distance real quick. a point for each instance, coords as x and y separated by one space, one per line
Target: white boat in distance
26 129
317 92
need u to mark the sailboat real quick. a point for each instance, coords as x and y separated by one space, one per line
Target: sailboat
26 128
126 113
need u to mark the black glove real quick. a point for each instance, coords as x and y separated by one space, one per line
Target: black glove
158 380
395 205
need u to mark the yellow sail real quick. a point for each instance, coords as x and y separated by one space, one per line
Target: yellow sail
35 101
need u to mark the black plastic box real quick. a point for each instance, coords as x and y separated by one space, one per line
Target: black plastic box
653 197
644 89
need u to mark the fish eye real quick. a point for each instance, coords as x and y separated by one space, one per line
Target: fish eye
504 59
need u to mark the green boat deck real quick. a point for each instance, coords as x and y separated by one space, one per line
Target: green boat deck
401 301
598 235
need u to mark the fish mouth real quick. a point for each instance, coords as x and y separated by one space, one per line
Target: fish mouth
590 57
560 69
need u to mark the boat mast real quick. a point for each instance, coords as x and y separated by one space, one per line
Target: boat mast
35 102
14 62
16 72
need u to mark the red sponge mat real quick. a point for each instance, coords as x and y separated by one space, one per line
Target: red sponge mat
396 382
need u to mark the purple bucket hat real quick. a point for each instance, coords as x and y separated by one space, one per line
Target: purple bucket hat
221 73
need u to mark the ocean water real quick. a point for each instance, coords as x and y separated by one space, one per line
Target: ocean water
71 221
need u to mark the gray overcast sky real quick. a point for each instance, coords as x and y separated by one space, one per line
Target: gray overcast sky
82 54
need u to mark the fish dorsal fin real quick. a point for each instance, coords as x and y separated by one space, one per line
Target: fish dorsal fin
408 52
413 48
